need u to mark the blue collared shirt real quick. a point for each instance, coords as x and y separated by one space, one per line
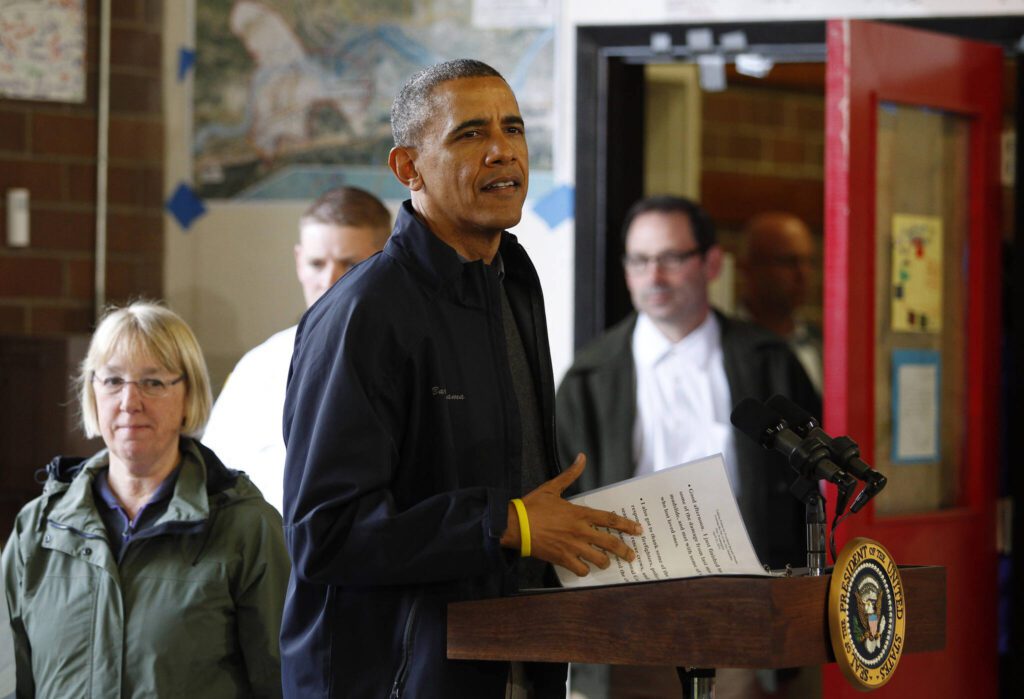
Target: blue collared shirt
121 529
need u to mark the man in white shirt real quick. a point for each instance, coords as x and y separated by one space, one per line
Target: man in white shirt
777 261
343 227
657 389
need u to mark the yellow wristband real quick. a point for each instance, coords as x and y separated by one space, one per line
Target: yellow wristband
524 528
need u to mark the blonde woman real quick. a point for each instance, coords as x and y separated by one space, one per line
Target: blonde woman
148 569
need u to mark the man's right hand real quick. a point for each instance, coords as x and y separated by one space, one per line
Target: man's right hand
567 534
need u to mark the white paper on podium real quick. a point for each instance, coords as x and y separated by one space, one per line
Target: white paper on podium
692 527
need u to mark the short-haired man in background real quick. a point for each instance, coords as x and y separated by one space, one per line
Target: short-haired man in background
341 228
657 389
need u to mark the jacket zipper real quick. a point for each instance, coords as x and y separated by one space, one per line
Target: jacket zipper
496 335
403 668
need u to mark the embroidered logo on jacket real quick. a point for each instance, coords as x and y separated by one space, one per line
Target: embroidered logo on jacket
442 392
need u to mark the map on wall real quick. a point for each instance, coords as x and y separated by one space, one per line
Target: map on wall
293 96
42 50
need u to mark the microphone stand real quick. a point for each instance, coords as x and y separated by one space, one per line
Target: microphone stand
809 457
806 490
843 451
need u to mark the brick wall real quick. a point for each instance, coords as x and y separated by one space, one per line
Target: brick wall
764 149
767 144
50 148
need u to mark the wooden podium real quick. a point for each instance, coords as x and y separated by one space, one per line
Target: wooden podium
707 622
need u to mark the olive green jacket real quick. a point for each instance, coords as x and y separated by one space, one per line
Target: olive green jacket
192 611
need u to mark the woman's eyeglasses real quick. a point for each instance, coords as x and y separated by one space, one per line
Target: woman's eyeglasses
154 388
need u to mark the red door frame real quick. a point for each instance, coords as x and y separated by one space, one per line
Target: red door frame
870 63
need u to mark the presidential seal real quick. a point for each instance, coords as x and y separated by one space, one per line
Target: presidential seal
866 614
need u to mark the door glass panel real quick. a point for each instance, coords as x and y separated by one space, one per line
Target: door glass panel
920 306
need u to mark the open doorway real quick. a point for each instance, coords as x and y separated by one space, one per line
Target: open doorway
612 167
755 145
777 121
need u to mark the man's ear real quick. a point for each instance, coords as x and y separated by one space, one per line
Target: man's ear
402 161
713 262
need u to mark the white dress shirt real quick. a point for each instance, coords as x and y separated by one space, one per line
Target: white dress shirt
245 425
683 401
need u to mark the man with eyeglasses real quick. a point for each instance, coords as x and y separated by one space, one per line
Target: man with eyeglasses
657 389
776 262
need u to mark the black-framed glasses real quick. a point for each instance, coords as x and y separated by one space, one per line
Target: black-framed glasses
670 261
151 387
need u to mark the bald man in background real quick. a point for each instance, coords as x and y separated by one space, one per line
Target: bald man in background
343 227
777 261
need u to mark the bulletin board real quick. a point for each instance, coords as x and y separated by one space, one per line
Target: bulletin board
921 291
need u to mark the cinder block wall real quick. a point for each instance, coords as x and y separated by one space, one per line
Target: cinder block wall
50 148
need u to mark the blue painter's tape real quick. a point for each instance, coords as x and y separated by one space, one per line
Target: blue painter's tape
557 205
186 59
185 206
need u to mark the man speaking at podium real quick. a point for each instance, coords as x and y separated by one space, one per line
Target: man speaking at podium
419 422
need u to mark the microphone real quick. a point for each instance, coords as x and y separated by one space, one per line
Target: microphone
809 456
843 450
870 490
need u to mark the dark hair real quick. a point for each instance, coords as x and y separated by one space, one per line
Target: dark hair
703 226
411 108
350 206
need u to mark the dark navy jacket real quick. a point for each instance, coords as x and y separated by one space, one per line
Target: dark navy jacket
404 449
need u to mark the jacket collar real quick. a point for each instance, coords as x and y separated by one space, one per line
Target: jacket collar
650 346
613 349
436 263
202 475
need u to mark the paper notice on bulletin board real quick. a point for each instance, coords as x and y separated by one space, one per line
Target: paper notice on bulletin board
915 406
916 273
